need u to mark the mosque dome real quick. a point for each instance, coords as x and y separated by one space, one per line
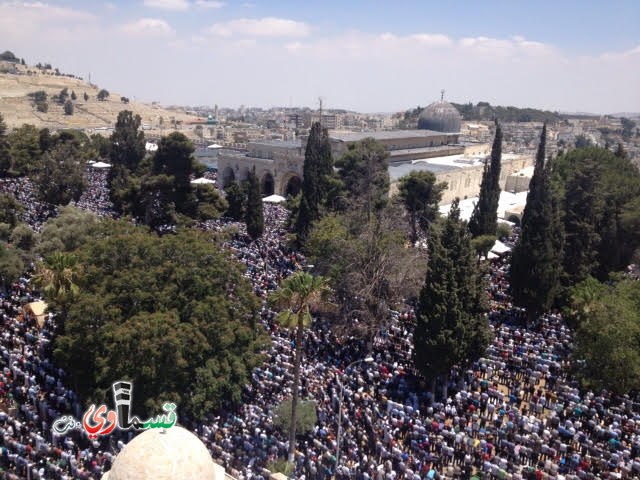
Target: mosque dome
440 116
170 454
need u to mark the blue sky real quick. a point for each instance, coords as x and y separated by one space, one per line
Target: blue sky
362 55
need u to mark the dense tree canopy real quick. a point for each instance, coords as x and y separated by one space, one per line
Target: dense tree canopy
364 171
368 264
607 334
68 231
537 258
25 150
601 192
10 209
452 327
420 195
61 178
172 314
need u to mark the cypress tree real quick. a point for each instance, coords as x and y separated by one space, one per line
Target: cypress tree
535 263
236 198
485 213
318 166
451 325
253 215
582 210
5 153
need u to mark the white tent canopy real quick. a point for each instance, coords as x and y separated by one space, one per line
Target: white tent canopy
100 165
274 199
214 145
500 248
202 181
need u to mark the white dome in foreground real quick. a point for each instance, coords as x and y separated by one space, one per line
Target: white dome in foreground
174 453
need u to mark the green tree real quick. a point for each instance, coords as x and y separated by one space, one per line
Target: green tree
364 170
536 259
607 335
5 149
62 176
74 97
582 210
57 277
236 198
452 327
101 145
254 216
167 191
23 237
127 141
173 314
318 166
296 297
420 195
368 264
63 96
10 209
126 152
484 218
103 95
86 97
67 232
603 188
306 416
25 150
11 265
68 107
210 203
46 142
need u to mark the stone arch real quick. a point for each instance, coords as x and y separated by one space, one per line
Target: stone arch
244 174
514 219
291 185
228 176
267 184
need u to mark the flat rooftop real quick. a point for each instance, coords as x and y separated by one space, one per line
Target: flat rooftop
399 170
279 143
346 136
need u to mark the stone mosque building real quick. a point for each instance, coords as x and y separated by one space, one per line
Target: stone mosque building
435 146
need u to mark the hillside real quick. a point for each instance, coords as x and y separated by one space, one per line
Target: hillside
18 108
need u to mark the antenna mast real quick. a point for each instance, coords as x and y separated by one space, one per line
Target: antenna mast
320 100
442 95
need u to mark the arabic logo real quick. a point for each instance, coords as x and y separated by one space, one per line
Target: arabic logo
100 421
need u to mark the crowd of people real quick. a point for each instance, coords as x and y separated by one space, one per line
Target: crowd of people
95 198
34 212
515 413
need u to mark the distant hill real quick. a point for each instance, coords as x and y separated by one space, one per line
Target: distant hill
487 112
22 101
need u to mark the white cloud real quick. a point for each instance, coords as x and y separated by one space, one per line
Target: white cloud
209 4
167 4
262 27
382 71
435 40
148 27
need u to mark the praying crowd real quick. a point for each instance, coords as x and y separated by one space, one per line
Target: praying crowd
516 413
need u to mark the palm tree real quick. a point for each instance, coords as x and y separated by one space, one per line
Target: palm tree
57 276
295 298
